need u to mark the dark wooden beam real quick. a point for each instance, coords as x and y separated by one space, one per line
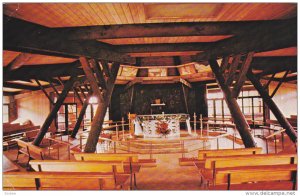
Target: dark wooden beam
273 107
224 64
236 113
258 39
98 119
170 47
279 83
105 68
99 74
242 75
77 95
232 70
41 71
81 115
21 35
53 87
20 86
186 83
269 81
90 76
162 29
83 92
68 86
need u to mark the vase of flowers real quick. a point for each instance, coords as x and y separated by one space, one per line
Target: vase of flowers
162 128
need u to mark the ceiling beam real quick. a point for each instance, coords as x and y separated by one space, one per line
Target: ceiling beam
41 71
167 47
260 38
20 35
20 86
161 29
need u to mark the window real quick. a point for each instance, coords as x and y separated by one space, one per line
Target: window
67 116
249 101
5 109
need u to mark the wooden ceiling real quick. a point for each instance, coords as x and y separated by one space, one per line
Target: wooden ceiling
89 14
179 36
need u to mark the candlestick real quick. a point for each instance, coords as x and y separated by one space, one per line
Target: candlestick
201 125
123 128
195 121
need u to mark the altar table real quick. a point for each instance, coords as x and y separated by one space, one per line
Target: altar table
161 125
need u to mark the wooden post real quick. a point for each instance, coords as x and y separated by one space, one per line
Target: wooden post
68 86
237 115
80 117
98 119
273 107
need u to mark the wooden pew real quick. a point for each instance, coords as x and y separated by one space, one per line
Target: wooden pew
208 169
61 181
115 168
127 157
269 177
77 166
203 154
32 151
132 167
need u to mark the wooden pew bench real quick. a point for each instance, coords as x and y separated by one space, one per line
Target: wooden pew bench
127 157
269 177
61 181
115 168
32 151
132 164
203 154
208 168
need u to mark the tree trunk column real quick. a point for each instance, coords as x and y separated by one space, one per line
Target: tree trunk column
68 86
238 117
273 107
98 119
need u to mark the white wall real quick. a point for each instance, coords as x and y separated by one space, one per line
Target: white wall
285 98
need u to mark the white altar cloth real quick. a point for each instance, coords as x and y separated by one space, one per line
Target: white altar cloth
161 125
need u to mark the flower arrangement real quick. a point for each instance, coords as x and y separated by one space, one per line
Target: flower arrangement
162 128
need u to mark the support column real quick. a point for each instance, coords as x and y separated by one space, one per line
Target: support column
67 87
80 117
273 107
238 117
103 103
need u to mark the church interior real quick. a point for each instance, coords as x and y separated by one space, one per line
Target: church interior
149 96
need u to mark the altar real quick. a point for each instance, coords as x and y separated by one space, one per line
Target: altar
161 125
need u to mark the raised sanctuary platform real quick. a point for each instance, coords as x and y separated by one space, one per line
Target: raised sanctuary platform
161 125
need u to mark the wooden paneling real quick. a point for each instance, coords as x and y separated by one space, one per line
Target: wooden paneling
291 51
87 14
159 40
35 108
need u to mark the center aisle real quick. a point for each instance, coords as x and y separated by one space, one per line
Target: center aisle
168 175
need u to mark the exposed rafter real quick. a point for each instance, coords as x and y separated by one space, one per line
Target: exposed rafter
21 35
162 30
260 38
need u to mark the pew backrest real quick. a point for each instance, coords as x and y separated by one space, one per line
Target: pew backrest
203 154
58 181
257 174
126 157
250 160
77 166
